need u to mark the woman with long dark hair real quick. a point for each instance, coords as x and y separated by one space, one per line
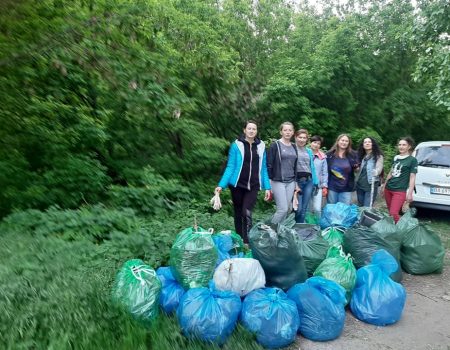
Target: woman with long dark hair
368 179
245 174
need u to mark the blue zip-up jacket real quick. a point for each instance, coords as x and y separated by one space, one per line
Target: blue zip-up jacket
320 163
235 162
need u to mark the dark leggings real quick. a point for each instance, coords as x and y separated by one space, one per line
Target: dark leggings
243 201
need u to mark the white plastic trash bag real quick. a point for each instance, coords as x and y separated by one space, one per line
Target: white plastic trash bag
240 275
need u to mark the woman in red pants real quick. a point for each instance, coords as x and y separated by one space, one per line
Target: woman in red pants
401 179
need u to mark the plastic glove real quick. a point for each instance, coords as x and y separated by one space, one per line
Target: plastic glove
215 201
374 172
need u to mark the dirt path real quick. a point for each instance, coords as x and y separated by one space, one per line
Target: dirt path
425 324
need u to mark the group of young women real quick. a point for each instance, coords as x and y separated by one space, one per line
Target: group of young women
299 174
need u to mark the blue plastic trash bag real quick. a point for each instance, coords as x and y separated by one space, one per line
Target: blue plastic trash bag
223 244
171 292
339 214
272 316
208 314
229 245
377 299
320 303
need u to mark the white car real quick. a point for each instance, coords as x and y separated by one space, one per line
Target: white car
433 175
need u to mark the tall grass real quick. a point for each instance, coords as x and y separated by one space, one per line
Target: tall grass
57 268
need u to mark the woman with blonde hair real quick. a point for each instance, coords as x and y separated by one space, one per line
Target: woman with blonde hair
281 166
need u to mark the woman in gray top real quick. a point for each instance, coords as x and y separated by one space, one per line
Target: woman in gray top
306 177
282 165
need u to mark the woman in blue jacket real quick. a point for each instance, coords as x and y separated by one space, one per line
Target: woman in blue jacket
245 174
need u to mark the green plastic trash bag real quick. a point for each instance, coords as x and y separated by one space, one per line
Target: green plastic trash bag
278 255
339 268
422 251
362 242
137 289
311 218
193 258
334 236
407 222
385 226
313 248
388 230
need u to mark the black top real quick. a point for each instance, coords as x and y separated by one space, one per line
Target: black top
249 177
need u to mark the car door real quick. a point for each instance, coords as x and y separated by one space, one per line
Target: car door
433 176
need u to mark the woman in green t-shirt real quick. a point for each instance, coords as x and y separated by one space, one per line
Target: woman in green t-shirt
401 179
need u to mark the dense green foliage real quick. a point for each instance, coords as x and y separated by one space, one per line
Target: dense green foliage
133 103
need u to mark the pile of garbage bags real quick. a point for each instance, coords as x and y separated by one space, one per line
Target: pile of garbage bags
294 279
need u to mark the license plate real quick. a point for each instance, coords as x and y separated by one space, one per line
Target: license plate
440 190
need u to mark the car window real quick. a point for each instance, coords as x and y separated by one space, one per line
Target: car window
434 156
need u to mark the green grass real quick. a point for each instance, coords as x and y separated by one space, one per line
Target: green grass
57 269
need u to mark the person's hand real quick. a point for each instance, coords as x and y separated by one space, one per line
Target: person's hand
218 189
268 195
409 197
374 172
297 189
324 192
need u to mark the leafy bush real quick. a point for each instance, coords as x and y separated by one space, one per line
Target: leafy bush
148 193
68 182
95 223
